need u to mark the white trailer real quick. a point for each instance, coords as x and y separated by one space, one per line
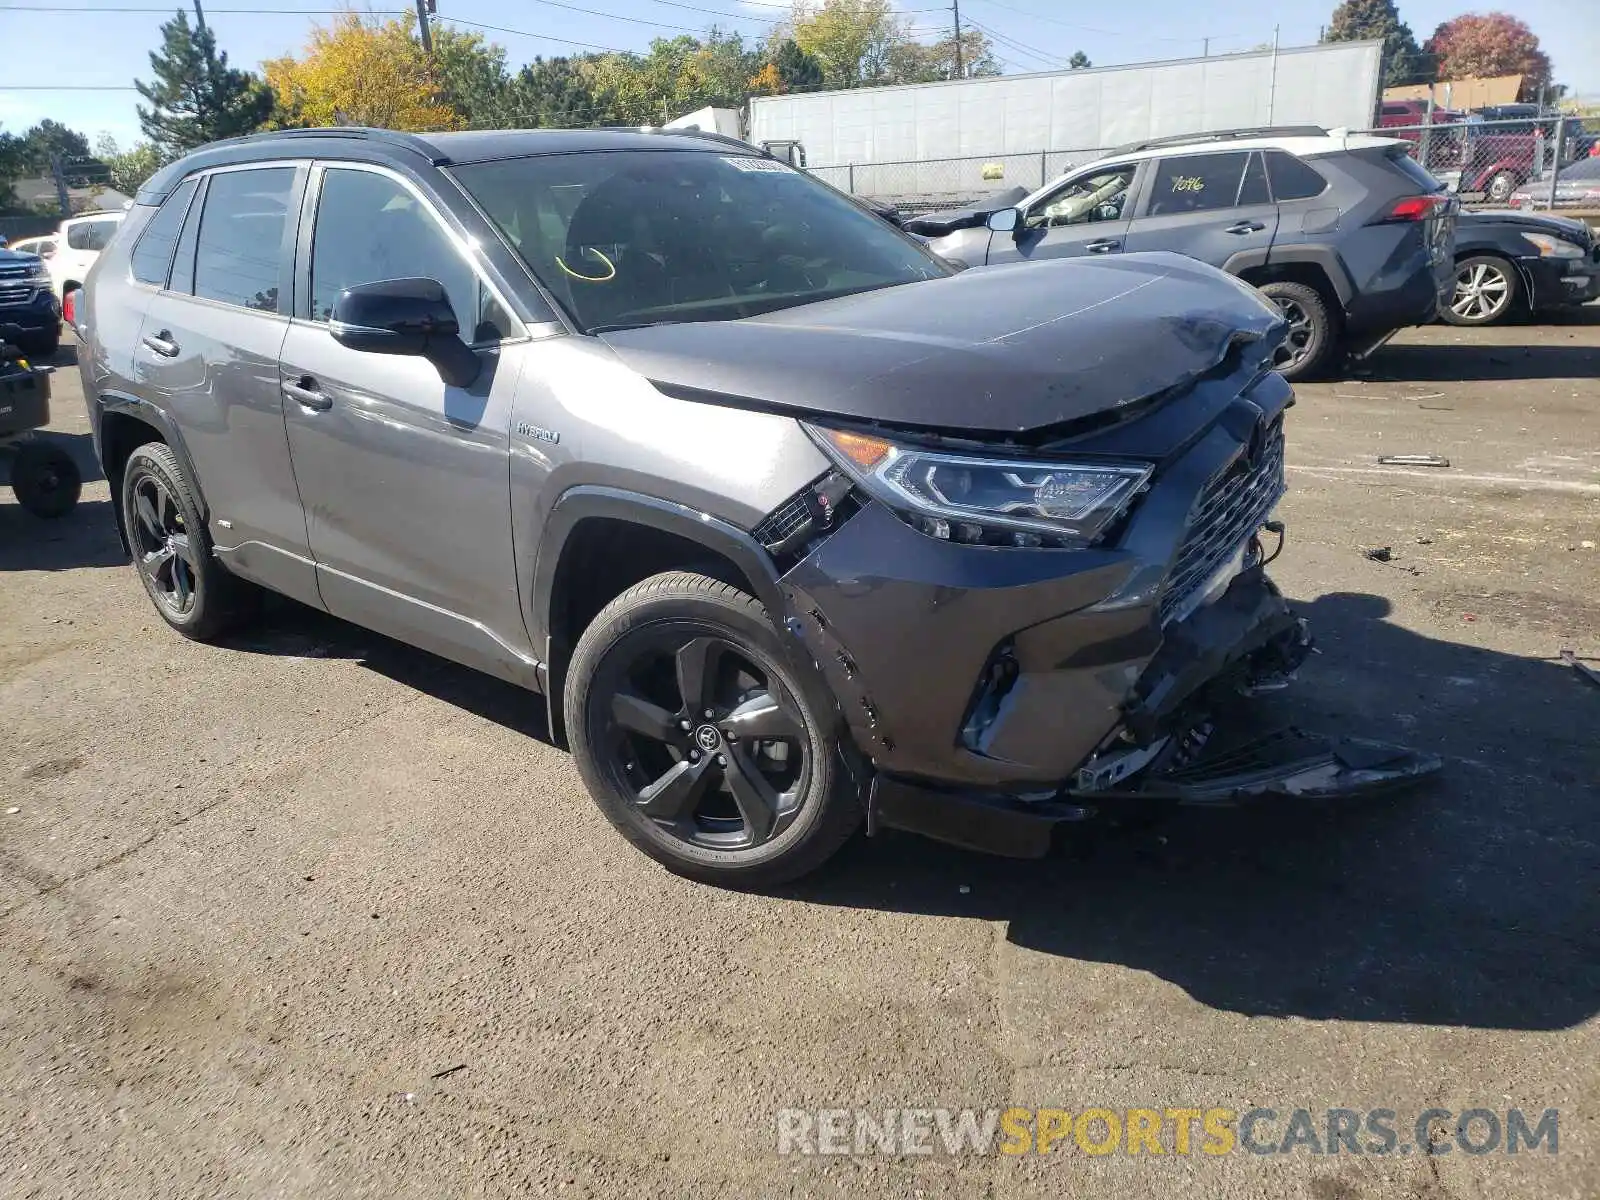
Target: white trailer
966 136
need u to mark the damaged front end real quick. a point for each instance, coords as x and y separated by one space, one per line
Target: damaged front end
1001 691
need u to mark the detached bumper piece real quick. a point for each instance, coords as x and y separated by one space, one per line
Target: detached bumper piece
1287 762
1175 749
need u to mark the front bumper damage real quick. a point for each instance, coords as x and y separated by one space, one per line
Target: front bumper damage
1189 735
999 693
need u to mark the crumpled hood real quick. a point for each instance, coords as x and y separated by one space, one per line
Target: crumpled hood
998 350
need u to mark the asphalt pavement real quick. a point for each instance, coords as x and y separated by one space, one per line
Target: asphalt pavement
314 914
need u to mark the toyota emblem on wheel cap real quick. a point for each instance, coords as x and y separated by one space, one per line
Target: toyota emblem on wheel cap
707 736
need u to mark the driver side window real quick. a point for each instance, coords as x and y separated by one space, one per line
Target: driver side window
1097 197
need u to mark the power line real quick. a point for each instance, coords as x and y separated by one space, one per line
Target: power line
1052 61
1102 32
546 37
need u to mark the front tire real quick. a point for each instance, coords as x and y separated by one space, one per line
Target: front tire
1485 292
1311 335
701 742
193 592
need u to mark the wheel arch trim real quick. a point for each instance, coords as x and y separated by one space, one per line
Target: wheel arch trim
1317 256
585 501
123 404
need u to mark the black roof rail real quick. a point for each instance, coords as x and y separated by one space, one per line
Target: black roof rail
711 135
1223 135
393 137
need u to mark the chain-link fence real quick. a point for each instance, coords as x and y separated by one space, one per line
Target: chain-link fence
1498 162
1486 162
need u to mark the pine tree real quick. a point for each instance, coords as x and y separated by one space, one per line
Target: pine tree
196 97
1079 60
1368 20
797 70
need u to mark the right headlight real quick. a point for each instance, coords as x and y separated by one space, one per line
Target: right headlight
982 499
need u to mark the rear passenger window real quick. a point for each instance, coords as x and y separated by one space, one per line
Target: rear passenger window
152 256
1293 179
239 254
1197 183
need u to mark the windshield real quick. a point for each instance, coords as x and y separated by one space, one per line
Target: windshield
644 237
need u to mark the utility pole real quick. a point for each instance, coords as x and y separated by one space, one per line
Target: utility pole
1205 48
961 70
62 196
424 9
199 17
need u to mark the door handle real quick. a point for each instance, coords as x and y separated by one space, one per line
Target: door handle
161 343
1103 246
307 394
1245 227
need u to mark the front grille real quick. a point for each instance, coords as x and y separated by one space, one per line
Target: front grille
17 271
11 293
1230 511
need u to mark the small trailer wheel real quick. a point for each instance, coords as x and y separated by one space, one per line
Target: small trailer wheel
45 479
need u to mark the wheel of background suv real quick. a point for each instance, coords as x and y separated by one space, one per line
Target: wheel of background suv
192 591
45 479
1310 328
1486 289
1501 185
43 346
699 741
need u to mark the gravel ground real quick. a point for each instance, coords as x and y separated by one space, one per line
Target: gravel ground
318 915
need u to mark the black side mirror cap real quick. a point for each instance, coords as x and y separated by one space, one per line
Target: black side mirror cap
1005 220
405 316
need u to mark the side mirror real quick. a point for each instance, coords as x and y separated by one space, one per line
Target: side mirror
405 316
1006 220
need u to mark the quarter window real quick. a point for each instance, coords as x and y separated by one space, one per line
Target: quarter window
371 228
1293 179
240 253
1197 183
152 256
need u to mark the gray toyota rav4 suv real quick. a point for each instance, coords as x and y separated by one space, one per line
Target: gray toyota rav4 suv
793 524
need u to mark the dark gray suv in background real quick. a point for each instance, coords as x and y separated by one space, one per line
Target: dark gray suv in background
792 524
1345 233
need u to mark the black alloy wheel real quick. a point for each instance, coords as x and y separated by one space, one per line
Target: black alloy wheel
703 740
706 739
172 550
1310 337
161 546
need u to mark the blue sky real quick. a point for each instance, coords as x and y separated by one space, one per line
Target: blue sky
110 48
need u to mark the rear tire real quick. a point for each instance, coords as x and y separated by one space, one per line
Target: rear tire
701 742
1486 291
46 480
1311 332
193 592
